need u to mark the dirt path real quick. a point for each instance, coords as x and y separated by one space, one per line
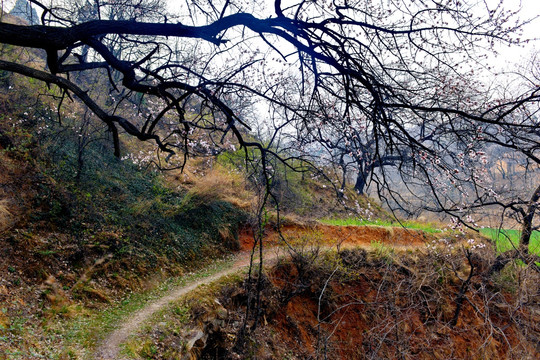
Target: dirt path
110 347
352 237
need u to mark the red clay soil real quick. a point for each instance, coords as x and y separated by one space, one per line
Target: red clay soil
370 316
351 235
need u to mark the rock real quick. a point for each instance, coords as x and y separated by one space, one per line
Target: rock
196 339
222 313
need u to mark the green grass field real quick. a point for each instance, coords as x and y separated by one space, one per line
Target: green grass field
509 239
426 227
505 239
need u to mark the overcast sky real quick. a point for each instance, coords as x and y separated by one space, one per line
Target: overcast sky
507 57
530 9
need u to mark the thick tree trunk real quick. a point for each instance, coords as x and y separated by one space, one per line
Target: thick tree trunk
526 232
526 229
360 184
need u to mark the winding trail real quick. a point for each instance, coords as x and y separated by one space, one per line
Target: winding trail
109 348
352 236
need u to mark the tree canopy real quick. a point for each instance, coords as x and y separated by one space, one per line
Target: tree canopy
411 78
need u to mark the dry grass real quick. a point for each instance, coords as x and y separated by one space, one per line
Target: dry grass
220 183
6 217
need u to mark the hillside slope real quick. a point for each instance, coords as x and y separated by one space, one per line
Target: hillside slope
355 304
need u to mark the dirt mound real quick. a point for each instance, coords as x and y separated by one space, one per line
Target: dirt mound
332 235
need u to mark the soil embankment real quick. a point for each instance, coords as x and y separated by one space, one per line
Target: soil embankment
325 235
334 235
393 302
109 349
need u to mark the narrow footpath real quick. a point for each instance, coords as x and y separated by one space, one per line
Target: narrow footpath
110 347
351 236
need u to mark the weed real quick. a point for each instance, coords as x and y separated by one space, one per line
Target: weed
148 350
507 278
46 252
382 251
182 313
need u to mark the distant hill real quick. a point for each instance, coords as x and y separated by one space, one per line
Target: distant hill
25 11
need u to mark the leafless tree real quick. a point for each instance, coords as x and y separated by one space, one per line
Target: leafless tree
407 70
